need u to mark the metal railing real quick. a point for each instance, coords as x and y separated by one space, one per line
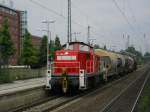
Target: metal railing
89 67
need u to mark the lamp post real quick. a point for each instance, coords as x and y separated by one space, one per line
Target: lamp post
48 39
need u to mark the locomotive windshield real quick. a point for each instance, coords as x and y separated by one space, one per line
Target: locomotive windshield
79 46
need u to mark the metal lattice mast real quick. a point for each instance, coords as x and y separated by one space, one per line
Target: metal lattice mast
88 35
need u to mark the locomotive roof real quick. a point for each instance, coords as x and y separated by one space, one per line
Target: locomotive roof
81 43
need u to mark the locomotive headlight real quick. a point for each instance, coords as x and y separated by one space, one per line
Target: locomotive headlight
49 73
66 53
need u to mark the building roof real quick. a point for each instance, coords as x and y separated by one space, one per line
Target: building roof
6 7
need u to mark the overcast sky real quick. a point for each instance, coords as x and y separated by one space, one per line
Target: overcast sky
108 20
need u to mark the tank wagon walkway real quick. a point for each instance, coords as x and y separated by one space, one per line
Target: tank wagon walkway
21 85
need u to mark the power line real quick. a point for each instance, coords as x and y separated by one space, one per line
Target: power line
48 9
131 11
56 13
94 21
123 14
134 18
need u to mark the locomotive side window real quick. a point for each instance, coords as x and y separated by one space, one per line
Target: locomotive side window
84 48
66 57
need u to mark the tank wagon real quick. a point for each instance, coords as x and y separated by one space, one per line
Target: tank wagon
78 66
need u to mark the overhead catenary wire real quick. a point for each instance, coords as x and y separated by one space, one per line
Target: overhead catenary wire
127 20
58 14
92 20
124 15
134 17
54 12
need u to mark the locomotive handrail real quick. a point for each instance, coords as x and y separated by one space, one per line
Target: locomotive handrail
90 67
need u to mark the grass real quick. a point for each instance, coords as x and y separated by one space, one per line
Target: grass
144 101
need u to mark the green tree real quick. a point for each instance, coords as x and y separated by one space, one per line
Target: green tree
29 54
7 49
139 56
105 48
96 46
147 57
147 54
57 43
134 51
6 43
43 51
51 50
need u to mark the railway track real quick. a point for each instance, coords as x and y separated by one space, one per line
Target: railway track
25 107
104 98
50 105
59 102
127 99
54 102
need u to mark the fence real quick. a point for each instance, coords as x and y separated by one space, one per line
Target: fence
12 73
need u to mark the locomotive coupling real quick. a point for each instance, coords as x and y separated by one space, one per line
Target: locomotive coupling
65 85
64 81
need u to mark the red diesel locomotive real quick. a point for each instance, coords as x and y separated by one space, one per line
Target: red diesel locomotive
78 65
75 66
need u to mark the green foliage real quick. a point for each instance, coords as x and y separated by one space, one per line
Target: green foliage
137 53
20 74
146 57
53 46
147 54
57 43
144 101
105 48
96 46
29 55
51 50
6 43
7 49
6 76
43 51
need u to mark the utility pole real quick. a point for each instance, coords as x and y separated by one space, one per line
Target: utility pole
69 22
146 45
128 41
88 35
48 39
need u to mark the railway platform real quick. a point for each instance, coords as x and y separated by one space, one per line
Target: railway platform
21 85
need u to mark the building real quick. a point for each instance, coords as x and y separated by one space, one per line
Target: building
36 41
17 21
13 17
